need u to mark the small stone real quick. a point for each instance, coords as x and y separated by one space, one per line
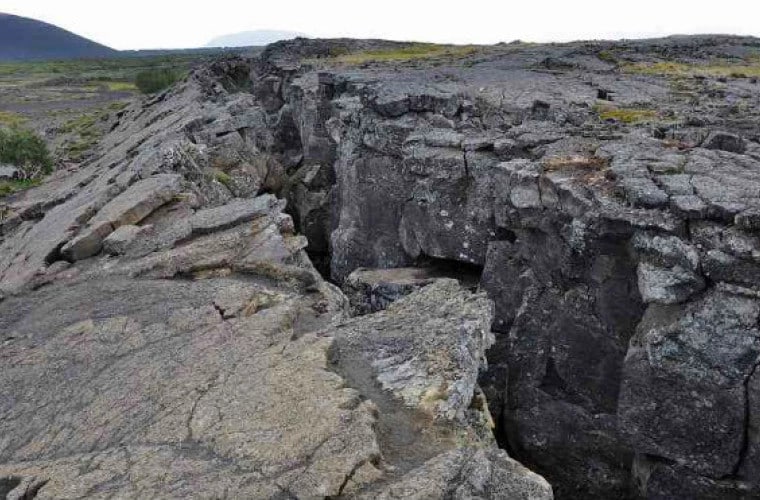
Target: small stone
642 192
667 285
689 206
8 172
725 141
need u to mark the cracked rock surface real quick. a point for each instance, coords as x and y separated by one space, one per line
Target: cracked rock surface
164 334
165 331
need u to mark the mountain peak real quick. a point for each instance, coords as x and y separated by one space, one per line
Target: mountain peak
22 38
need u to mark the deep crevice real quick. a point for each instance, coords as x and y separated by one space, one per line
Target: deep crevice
744 450
8 484
466 273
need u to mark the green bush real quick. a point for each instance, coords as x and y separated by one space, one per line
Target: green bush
154 80
26 150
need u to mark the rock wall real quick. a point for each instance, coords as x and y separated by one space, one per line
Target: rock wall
164 334
621 259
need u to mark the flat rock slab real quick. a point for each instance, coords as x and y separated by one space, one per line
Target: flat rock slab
129 208
425 349
469 473
231 214
109 391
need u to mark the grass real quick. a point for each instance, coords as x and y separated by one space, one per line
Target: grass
9 119
607 56
629 116
10 187
101 70
222 177
717 68
409 52
85 132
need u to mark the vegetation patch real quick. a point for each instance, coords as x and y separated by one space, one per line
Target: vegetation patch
628 116
222 178
85 131
9 119
156 80
607 56
409 52
14 186
715 69
123 69
25 150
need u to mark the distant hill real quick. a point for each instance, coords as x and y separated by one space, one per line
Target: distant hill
252 38
24 39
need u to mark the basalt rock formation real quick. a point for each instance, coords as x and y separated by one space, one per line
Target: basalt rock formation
552 249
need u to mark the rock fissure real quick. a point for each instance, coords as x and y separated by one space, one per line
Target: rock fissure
748 416
604 297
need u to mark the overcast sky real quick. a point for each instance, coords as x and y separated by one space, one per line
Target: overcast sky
134 24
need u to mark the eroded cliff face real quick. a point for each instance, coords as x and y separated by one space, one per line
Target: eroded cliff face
621 256
165 335
607 213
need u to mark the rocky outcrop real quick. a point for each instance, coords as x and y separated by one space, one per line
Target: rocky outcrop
164 333
608 215
604 244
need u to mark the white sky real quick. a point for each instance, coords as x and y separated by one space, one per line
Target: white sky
133 24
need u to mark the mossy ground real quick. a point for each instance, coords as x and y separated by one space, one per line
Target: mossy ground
629 116
411 52
745 68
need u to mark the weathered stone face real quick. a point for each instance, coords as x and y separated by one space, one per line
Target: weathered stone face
619 260
165 334
582 229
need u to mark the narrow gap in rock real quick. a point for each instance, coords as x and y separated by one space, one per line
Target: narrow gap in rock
467 274
746 425
55 255
321 261
8 484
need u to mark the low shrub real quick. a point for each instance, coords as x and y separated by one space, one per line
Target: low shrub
157 79
25 150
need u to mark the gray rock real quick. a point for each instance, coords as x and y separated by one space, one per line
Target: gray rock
373 290
233 213
689 206
117 243
667 285
8 172
480 161
683 394
469 473
643 192
725 141
129 208
430 361
89 243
